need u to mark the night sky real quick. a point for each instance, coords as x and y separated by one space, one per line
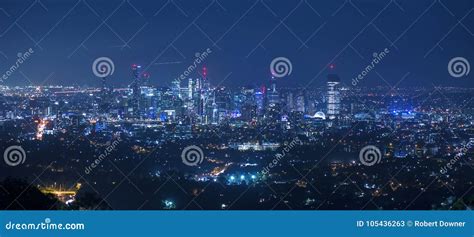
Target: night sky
244 37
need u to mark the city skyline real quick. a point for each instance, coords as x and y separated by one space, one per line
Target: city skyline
200 136
236 105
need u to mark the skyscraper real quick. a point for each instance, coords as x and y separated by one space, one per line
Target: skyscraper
207 99
300 103
105 97
333 97
259 97
176 88
136 84
272 95
190 88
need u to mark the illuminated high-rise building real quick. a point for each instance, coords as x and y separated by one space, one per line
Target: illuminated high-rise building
207 99
333 97
259 100
190 89
272 95
176 88
136 84
105 97
300 103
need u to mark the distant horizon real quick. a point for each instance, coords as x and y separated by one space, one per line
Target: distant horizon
240 87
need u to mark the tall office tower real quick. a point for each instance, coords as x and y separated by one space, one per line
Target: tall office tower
259 99
105 94
272 95
136 84
176 88
300 103
333 97
104 84
197 98
149 103
249 106
290 103
197 85
190 89
215 116
223 102
183 93
238 99
208 106
273 84
206 98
